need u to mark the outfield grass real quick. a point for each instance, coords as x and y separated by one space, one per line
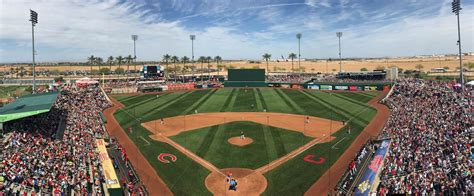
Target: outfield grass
269 143
296 176
186 177
362 97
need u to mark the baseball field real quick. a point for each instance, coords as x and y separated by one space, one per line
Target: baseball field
273 141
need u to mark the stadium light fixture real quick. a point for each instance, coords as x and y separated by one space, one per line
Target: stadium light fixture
456 7
34 21
298 36
339 35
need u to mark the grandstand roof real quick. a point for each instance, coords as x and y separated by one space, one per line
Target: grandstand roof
28 105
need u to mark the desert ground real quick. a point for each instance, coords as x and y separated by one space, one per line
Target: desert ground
309 66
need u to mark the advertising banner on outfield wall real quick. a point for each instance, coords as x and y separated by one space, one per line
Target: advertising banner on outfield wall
341 87
326 87
285 86
297 86
365 184
313 86
370 88
352 88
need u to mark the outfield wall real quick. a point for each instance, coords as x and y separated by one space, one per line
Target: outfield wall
245 84
337 86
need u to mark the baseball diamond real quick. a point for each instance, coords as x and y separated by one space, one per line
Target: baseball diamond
284 125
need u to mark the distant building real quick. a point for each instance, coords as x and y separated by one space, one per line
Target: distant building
469 54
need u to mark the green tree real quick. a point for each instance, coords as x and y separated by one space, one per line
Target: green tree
104 70
380 67
292 56
99 61
12 70
419 67
218 66
119 70
267 57
110 61
364 69
91 60
21 71
202 59
184 59
469 65
166 59
128 60
209 66
119 60
175 60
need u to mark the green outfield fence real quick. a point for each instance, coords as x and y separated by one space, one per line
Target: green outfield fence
315 86
245 84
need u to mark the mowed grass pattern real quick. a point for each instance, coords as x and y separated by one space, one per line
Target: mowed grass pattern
211 144
186 177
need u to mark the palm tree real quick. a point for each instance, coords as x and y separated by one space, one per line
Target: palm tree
119 61
292 56
21 71
110 61
175 60
184 59
209 59
166 59
17 69
91 61
267 57
217 59
11 71
128 60
99 61
202 59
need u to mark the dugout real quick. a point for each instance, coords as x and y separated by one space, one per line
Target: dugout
245 78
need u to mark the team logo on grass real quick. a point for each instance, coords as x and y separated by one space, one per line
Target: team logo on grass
308 158
162 156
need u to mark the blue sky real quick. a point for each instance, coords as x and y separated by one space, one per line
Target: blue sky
71 30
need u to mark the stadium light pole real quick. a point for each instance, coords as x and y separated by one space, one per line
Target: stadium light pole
456 6
135 38
193 37
298 36
339 35
34 21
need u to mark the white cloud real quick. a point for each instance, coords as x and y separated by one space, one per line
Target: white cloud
73 30
318 3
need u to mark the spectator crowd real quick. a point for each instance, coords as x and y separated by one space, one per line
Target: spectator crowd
431 130
36 158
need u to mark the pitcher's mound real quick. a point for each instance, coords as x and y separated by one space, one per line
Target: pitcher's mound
240 142
249 182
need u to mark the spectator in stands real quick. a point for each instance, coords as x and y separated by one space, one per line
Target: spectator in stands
37 160
431 149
